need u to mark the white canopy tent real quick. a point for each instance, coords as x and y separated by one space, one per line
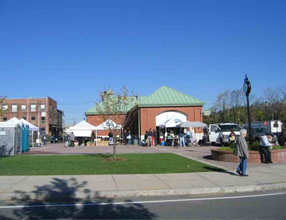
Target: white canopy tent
15 120
82 129
108 124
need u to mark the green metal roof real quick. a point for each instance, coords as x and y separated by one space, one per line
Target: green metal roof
166 96
131 103
162 97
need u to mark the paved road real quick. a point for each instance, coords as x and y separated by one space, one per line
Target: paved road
270 205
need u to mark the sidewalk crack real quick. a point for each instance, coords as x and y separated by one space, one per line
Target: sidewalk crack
115 182
17 183
162 181
207 179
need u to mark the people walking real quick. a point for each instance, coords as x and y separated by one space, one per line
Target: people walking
231 136
149 138
182 140
110 141
66 140
128 136
154 138
241 150
72 139
264 151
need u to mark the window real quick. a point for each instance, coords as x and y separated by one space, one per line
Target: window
23 108
33 118
42 107
14 108
4 119
33 108
4 107
43 119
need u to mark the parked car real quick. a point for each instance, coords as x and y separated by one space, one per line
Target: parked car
56 139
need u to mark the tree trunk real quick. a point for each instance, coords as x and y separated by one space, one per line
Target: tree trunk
114 147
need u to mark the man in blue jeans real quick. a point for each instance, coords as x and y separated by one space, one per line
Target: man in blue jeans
241 150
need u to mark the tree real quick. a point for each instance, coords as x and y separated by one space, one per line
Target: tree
113 107
1 105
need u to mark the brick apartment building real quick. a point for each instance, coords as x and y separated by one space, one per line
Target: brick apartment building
41 112
165 104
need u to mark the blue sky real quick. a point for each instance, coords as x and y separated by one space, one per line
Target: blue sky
71 50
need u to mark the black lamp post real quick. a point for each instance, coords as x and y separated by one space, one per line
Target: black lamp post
247 90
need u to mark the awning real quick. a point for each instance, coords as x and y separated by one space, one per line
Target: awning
193 124
82 133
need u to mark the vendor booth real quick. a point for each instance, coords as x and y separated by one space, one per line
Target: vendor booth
106 126
10 138
24 133
83 131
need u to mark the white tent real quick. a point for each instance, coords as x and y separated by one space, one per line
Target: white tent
82 129
15 120
31 126
108 124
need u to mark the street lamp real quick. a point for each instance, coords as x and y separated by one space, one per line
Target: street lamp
266 105
247 90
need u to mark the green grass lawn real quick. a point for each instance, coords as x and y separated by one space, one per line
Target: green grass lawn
95 164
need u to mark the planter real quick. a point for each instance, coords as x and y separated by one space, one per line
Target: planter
254 156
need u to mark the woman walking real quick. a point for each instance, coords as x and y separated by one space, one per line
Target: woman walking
241 150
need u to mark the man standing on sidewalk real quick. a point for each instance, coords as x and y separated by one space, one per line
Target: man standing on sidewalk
241 150
264 146
149 137
72 139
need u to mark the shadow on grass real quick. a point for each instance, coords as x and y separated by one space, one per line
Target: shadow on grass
100 156
58 200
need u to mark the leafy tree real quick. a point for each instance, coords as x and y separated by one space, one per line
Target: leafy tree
113 107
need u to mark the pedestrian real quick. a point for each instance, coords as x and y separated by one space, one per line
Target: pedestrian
264 145
146 136
45 139
182 140
110 141
241 150
188 137
153 137
149 138
128 136
231 136
66 140
72 139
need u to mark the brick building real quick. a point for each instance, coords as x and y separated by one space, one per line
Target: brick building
41 112
165 105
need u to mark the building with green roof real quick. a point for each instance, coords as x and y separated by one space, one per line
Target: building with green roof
163 108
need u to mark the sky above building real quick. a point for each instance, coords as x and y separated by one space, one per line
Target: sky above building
71 50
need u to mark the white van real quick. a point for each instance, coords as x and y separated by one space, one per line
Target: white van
219 133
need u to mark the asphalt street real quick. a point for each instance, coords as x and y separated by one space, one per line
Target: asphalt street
259 205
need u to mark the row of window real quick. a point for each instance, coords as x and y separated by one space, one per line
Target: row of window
33 118
23 108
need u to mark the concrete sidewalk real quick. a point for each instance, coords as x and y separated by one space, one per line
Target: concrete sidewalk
264 177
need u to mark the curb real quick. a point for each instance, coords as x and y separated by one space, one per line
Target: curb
140 193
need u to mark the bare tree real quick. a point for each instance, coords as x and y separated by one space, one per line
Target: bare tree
113 107
222 103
